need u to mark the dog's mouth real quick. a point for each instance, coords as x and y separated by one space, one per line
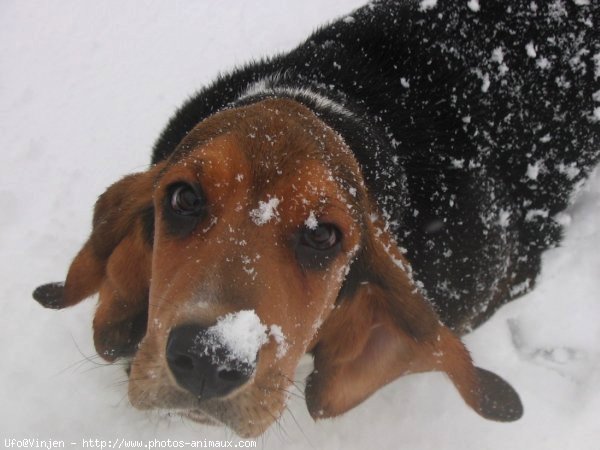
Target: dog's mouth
245 418
128 364
248 411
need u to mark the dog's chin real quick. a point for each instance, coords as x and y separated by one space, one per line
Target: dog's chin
242 413
196 415
244 428
246 413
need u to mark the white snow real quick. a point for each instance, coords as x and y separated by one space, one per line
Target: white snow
557 10
474 5
280 339
533 170
520 288
564 219
596 59
504 218
530 49
427 4
543 63
85 89
532 214
457 163
311 222
498 55
240 333
570 170
485 85
265 212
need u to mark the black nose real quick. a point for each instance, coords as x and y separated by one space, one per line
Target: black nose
202 365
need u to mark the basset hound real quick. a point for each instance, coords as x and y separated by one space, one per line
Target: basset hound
366 198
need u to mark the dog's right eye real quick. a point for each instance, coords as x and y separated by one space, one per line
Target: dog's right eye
186 200
184 207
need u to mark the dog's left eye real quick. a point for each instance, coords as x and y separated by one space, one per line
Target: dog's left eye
317 246
321 237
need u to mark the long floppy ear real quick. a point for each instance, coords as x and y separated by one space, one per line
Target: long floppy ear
386 330
116 262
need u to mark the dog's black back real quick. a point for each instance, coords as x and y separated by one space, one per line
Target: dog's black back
472 127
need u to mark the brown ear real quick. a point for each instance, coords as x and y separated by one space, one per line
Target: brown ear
386 330
116 262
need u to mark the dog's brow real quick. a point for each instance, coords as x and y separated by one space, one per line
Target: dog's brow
159 175
343 203
183 150
171 163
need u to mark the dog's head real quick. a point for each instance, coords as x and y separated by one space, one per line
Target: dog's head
256 242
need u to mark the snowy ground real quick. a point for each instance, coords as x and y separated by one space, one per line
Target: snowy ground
85 87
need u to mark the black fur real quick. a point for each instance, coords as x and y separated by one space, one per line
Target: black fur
50 295
471 151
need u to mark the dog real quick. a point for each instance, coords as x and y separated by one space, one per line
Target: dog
367 198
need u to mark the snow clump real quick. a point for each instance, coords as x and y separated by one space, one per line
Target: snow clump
427 4
241 334
311 222
282 345
474 5
265 212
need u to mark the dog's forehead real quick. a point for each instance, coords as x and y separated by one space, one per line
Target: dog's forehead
276 146
272 134
284 188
